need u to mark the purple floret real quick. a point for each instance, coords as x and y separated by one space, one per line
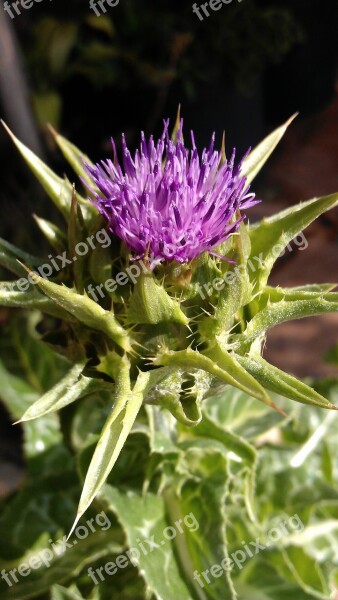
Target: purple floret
167 201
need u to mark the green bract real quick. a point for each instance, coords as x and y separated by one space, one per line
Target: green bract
164 336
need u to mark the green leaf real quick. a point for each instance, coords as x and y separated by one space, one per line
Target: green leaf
263 582
127 403
9 256
186 411
205 269
73 155
40 509
270 236
52 233
76 235
69 389
237 292
59 592
100 268
165 390
285 310
297 567
61 569
35 367
236 411
41 513
59 190
18 396
243 380
150 303
73 387
282 383
231 441
26 356
32 299
42 438
21 390
88 419
258 157
143 517
84 310
162 428
303 292
189 359
203 494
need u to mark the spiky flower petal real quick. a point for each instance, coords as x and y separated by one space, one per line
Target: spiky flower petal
167 200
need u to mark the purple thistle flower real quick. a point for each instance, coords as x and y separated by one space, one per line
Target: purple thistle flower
167 201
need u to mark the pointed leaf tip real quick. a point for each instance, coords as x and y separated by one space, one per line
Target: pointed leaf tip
33 275
9 131
260 154
52 130
78 517
58 189
278 409
292 118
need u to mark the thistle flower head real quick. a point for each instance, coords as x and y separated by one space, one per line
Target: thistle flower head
167 200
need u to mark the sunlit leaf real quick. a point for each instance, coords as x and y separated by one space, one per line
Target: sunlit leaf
258 157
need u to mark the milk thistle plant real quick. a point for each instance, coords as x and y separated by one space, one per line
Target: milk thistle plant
155 340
